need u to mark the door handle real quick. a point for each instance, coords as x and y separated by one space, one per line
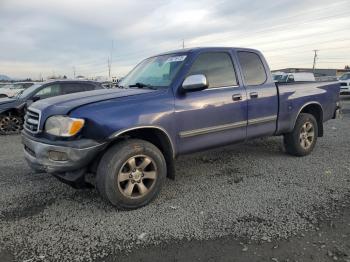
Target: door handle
237 97
253 95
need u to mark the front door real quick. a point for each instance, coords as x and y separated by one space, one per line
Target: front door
214 116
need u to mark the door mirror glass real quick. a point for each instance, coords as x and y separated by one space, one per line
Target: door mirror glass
195 83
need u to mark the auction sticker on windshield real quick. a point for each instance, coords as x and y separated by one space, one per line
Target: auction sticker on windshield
176 59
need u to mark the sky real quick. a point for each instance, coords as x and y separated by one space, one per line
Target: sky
59 37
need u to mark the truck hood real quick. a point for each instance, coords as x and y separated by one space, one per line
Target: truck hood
65 103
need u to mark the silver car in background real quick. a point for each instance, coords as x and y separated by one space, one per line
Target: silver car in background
13 89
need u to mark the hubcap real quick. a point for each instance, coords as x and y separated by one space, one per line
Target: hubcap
10 125
137 176
307 135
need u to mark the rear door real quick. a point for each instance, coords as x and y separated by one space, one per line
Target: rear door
261 94
214 116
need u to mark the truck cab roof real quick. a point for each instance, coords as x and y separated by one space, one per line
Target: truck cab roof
207 49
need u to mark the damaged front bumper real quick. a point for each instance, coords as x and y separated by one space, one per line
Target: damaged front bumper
66 160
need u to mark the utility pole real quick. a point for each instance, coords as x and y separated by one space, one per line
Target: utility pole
183 43
109 68
73 72
110 61
315 58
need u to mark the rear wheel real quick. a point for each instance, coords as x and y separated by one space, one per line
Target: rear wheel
10 124
131 173
302 140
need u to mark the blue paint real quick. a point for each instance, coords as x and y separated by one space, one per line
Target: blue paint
109 111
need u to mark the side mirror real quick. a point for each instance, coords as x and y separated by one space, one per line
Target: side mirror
195 83
35 98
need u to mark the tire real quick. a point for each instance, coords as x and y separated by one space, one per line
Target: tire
10 124
123 174
302 140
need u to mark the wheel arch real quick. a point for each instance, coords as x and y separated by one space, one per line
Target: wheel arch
14 111
314 108
155 135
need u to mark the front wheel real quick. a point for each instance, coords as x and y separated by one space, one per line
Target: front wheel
302 140
10 124
130 174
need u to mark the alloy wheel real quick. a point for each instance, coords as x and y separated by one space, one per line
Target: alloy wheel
307 135
137 176
10 125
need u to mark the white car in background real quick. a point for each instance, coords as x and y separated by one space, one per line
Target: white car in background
12 90
344 81
294 77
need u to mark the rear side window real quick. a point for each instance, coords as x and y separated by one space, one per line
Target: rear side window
69 88
217 67
252 67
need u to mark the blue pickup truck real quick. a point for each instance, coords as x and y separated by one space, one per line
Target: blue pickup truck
169 105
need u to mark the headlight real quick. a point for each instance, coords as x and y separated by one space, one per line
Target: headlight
63 126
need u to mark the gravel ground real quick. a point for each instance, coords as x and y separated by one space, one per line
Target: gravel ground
250 191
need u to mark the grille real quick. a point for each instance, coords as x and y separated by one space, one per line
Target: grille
343 84
32 120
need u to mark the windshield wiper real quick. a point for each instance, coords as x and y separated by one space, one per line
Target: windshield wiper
142 85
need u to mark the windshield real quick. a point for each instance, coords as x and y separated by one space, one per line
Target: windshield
155 72
29 90
345 77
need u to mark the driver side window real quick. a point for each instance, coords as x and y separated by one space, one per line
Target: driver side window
49 91
217 67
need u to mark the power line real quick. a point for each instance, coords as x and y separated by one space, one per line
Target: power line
339 40
137 54
283 26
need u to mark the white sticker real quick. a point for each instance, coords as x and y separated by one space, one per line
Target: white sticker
176 59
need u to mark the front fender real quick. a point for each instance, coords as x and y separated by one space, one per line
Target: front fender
108 118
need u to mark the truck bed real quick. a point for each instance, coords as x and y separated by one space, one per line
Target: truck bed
293 97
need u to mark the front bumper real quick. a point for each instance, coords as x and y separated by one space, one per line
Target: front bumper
77 154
